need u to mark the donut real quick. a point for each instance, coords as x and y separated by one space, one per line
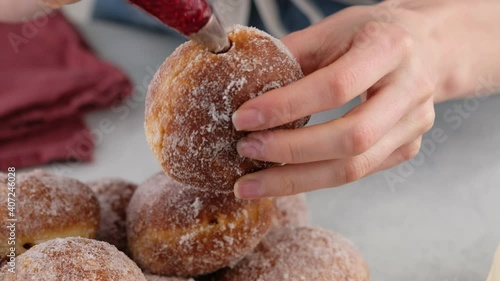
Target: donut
114 196
151 277
296 254
177 230
47 207
193 95
73 259
292 211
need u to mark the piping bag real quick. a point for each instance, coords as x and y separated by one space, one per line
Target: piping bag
193 18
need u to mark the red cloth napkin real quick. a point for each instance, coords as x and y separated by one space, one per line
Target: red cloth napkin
49 78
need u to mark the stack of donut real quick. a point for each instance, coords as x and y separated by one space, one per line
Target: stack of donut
200 226
183 223
57 220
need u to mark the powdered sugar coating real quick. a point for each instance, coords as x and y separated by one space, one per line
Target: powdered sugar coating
48 207
151 277
292 211
300 254
177 230
192 98
114 196
73 259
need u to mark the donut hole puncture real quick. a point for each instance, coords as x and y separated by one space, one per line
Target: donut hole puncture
28 246
231 45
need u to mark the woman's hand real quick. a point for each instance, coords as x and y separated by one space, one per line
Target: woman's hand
58 3
395 56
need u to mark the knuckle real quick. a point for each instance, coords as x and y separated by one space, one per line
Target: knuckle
388 36
356 168
396 37
283 114
428 120
339 88
359 139
288 185
401 39
424 84
427 86
294 153
411 150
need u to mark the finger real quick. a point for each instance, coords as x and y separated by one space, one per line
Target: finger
297 178
327 88
58 3
402 154
351 135
326 41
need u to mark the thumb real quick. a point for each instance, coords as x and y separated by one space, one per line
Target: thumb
323 43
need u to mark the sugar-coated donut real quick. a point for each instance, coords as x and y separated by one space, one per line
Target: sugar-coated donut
191 100
297 254
292 211
72 259
114 196
151 277
177 230
47 207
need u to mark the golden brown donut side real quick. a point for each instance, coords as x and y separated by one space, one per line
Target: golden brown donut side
177 230
73 259
193 96
297 254
48 207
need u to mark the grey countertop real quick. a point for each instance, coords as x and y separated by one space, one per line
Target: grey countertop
436 218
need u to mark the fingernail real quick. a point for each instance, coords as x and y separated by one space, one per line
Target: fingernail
248 189
247 119
250 147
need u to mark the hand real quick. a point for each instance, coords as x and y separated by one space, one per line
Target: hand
393 63
22 10
58 3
